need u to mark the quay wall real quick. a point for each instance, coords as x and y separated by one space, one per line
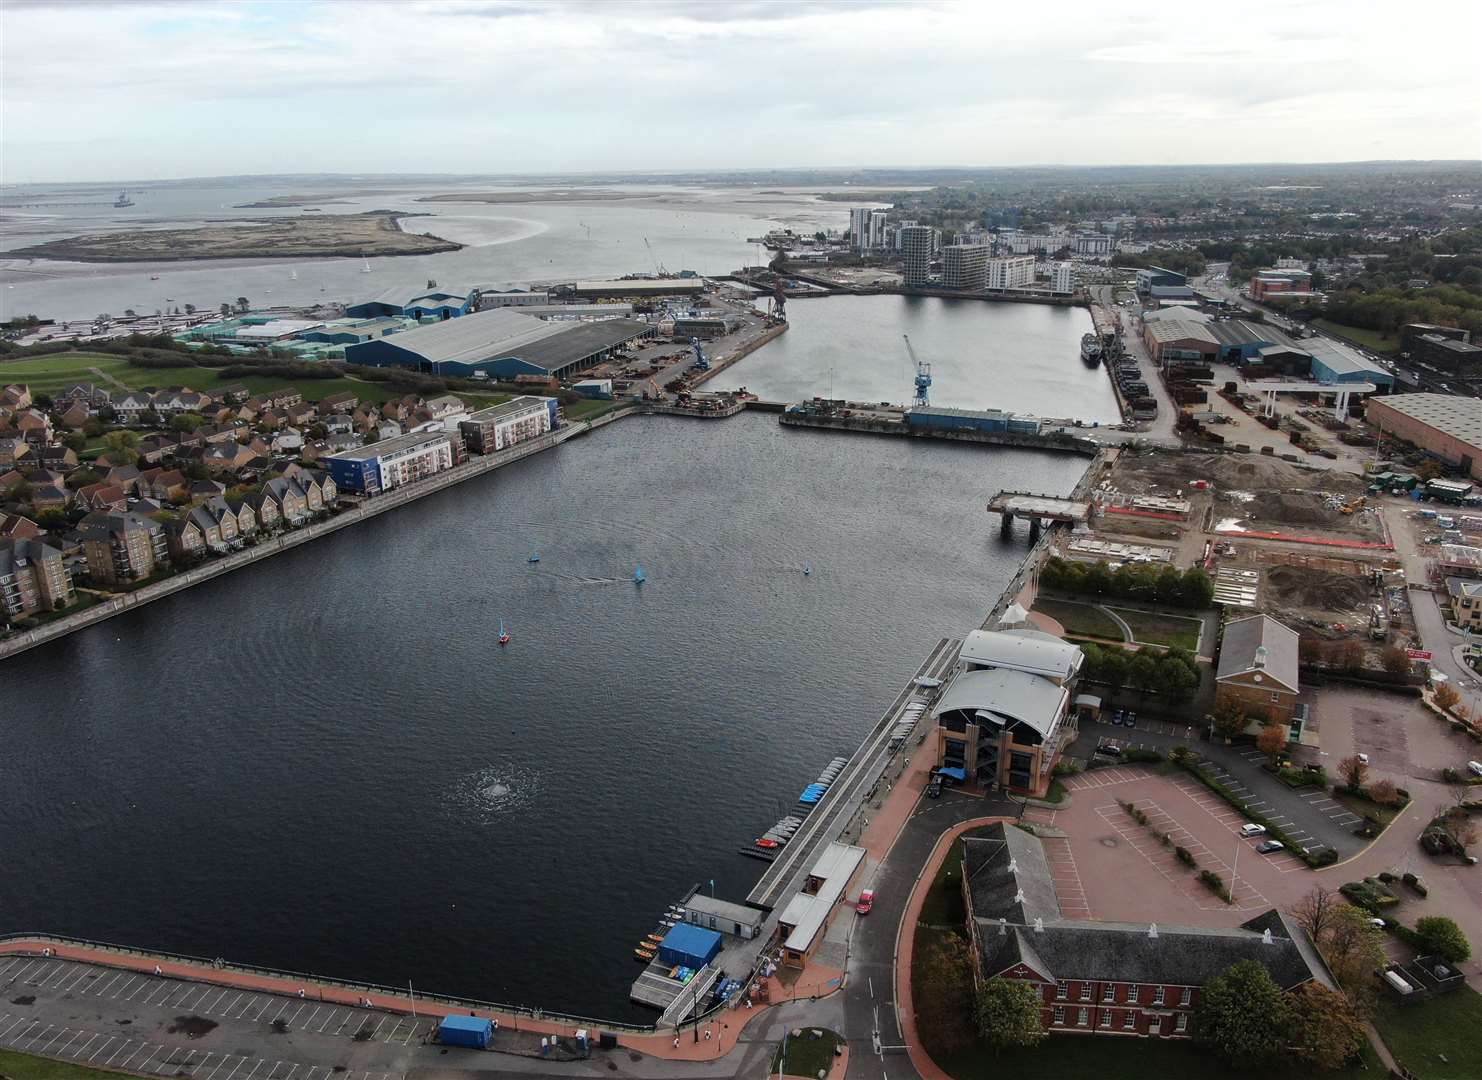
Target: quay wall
743 351
871 426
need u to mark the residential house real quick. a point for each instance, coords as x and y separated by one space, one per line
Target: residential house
33 424
13 450
62 459
17 527
10 478
1465 600
444 406
219 433
265 509
302 413
344 401
226 457
75 415
288 441
388 429
1108 978
15 396
125 476
155 448
179 399
233 394
281 398
121 548
163 485
1257 670
102 496
90 396
32 577
246 516
204 489
130 406
338 424
50 497
272 419
289 498
185 539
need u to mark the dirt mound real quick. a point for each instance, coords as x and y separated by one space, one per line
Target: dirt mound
1321 590
1290 508
1242 472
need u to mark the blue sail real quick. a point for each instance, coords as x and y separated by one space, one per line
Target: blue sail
534 556
638 578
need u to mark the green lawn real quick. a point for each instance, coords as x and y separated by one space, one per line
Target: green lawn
26 1067
1370 339
586 408
1080 619
1365 807
807 1054
48 374
943 905
1420 1034
1092 1057
1152 628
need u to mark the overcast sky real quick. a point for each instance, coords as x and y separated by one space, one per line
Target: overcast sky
119 90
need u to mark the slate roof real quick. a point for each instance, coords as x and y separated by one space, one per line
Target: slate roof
1021 895
1244 636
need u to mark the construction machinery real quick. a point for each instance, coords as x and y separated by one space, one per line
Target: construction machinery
923 375
777 308
1356 505
701 362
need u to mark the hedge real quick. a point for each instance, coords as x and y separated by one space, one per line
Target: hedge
1326 857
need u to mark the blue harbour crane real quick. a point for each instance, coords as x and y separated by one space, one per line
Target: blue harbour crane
923 375
701 362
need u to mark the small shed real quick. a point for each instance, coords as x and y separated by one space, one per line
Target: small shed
456 1030
722 915
690 946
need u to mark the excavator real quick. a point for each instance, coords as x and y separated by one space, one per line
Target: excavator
1356 505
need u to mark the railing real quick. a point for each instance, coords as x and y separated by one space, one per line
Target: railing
460 1003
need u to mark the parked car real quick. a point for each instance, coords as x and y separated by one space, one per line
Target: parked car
1475 768
866 901
1267 847
1131 720
1117 715
934 789
1250 828
1363 758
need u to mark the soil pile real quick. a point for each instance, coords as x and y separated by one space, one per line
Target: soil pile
1243 472
1290 508
1320 590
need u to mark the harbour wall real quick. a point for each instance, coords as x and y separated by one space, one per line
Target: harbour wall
871 426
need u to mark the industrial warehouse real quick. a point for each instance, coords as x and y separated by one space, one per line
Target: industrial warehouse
501 343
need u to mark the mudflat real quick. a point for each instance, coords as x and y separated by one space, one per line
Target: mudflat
376 233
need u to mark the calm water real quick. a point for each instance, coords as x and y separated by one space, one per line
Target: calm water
703 229
1020 357
324 762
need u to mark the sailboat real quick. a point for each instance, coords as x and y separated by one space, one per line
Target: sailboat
293 275
807 569
366 268
503 633
534 557
638 578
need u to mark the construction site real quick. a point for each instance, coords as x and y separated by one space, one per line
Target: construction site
1309 547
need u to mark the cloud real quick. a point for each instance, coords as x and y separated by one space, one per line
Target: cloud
482 86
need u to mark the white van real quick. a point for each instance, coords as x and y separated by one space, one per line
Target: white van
1475 768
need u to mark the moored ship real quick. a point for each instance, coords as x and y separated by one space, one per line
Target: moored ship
1091 349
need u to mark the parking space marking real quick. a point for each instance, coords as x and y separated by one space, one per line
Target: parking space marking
184 1065
207 1058
145 1060
145 984
63 1048
109 1059
34 1039
22 1035
310 1020
327 1019
253 1000
279 1013
220 1064
214 1001
231 1003
82 974
168 987
25 976
260 1063
100 990
62 971
294 1017
395 1030
100 1049
54 1038
124 987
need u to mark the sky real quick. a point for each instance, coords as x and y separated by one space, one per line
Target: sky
95 90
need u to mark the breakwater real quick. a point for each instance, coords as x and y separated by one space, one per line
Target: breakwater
874 426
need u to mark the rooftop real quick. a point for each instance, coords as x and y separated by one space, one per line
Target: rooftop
1014 696
1243 637
1035 653
511 407
1459 417
1165 330
384 447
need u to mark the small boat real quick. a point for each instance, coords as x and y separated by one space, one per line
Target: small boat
503 633
807 570
638 576
293 275
534 557
154 277
656 938
644 955
366 269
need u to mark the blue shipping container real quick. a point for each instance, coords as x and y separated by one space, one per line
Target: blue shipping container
471 1031
690 946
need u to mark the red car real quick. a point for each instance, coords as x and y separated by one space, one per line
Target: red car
866 901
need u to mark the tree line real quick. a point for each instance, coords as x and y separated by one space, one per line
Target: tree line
1191 588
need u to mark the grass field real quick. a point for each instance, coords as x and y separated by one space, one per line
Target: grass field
1366 807
1080 618
1157 629
1421 1034
1090 1057
582 410
1369 339
26 1067
807 1055
48 374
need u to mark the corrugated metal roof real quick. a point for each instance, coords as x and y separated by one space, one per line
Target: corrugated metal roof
1015 695
1459 417
470 339
1038 654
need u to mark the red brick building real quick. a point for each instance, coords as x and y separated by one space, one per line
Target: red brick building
1108 978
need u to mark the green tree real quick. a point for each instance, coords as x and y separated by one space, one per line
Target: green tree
1098 579
1170 586
1272 740
74 441
1327 1028
186 421
1008 1014
81 478
1198 588
1442 937
1244 1014
944 996
92 427
1229 719
1142 671
53 517
1176 679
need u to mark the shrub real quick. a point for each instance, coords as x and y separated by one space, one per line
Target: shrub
1138 754
1183 856
1210 880
1065 767
1384 793
1441 936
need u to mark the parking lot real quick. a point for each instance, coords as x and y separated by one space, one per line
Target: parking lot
152 1025
1111 867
